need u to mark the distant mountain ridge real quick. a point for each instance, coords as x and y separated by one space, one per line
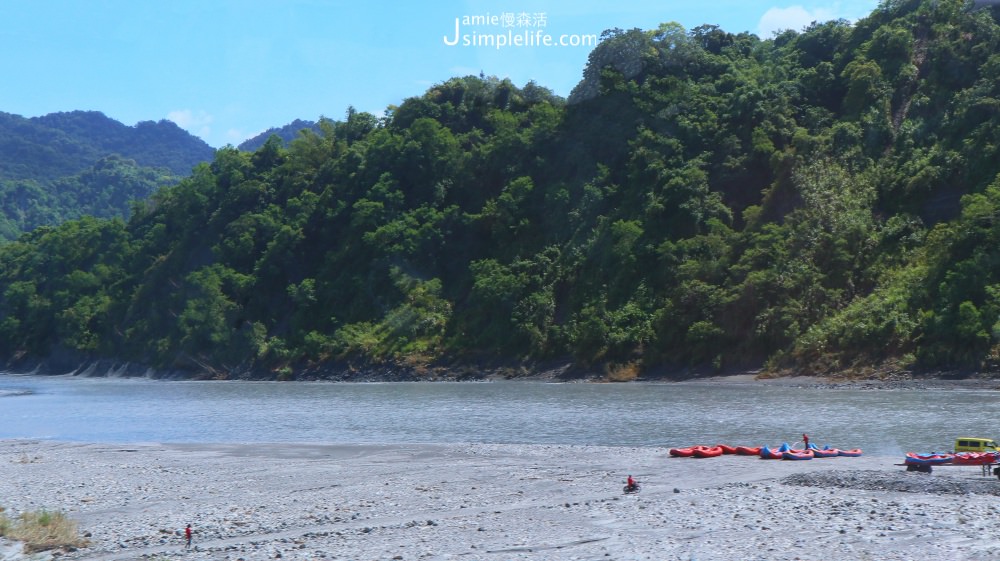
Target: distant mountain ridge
63 166
287 134
60 144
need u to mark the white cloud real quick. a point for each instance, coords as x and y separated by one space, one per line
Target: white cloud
196 123
237 136
793 17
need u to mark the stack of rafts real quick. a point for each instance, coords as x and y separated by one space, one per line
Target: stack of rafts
786 452
783 452
956 458
713 451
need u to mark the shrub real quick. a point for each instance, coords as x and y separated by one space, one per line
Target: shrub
42 530
627 372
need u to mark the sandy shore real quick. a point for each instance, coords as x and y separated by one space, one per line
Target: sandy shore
493 502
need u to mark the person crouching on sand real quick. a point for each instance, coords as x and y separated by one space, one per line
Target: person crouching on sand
630 484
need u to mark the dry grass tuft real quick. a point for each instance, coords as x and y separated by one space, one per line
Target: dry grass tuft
621 372
42 531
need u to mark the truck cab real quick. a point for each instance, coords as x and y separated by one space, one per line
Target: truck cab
973 444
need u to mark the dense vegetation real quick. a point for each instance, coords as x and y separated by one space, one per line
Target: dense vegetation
64 166
820 200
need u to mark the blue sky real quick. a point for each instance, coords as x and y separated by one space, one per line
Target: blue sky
227 70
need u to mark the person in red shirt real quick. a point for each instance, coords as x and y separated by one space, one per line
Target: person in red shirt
630 484
187 535
805 438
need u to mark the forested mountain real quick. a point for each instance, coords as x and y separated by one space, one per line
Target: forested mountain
67 165
287 134
823 200
105 189
64 144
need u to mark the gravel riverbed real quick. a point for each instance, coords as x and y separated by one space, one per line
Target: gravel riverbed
490 502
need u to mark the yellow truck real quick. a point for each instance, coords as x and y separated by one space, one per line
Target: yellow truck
973 444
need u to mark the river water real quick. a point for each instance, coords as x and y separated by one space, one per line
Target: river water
637 414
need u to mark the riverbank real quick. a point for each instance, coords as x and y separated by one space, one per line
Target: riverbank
563 370
502 502
555 371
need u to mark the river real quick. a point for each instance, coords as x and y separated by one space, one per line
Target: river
67 408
